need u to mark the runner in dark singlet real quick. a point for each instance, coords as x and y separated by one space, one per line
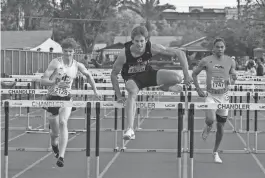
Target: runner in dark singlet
133 63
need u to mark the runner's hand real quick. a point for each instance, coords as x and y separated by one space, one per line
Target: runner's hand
121 100
98 95
188 80
201 93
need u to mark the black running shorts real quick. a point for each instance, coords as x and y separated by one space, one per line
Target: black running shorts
55 110
144 79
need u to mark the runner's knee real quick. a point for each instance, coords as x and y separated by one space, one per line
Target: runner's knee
132 88
176 78
209 122
63 123
54 135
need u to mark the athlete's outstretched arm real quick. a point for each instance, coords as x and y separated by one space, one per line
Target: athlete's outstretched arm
85 72
175 53
117 67
45 80
232 71
197 71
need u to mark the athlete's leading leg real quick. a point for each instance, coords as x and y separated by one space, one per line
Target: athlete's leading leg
221 117
219 131
54 133
209 120
168 80
64 114
209 117
130 108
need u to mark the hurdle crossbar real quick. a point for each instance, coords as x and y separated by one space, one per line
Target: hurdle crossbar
141 105
112 93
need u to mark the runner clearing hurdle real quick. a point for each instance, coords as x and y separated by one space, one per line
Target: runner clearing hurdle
59 77
133 62
218 68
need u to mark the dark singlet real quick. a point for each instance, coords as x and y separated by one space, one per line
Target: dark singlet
136 65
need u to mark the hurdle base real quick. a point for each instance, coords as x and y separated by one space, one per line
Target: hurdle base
23 116
42 131
258 151
210 151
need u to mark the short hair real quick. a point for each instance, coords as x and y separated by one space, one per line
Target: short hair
218 40
139 30
69 43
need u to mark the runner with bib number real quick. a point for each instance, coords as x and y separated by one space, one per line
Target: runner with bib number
218 69
59 77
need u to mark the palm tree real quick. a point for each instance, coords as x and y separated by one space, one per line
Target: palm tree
148 10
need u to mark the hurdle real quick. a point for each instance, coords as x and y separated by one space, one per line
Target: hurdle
100 104
142 93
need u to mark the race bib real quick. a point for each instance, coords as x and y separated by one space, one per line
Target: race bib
217 83
61 91
136 68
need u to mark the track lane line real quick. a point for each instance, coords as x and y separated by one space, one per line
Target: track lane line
115 156
47 155
253 155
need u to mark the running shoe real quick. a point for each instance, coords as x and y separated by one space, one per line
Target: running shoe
60 162
216 158
129 134
55 150
206 132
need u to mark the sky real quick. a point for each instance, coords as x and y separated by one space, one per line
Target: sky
183 5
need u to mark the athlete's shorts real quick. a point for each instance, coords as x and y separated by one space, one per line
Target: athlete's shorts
144 79
55 110
214 98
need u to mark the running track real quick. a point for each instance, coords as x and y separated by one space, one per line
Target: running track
132 165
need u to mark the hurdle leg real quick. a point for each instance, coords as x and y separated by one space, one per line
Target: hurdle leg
247 146
44 119
28 122
20 111
138 118
235 125
88 166
256 142
241 123
6 166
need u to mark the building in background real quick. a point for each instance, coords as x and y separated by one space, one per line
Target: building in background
29 40
201 13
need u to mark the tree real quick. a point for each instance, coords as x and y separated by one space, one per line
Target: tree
86 18
149 10
241 35
19 14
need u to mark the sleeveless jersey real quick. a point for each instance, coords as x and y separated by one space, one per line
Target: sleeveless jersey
63 73
217 74
136 65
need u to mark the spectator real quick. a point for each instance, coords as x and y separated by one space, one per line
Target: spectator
251 70
260 67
